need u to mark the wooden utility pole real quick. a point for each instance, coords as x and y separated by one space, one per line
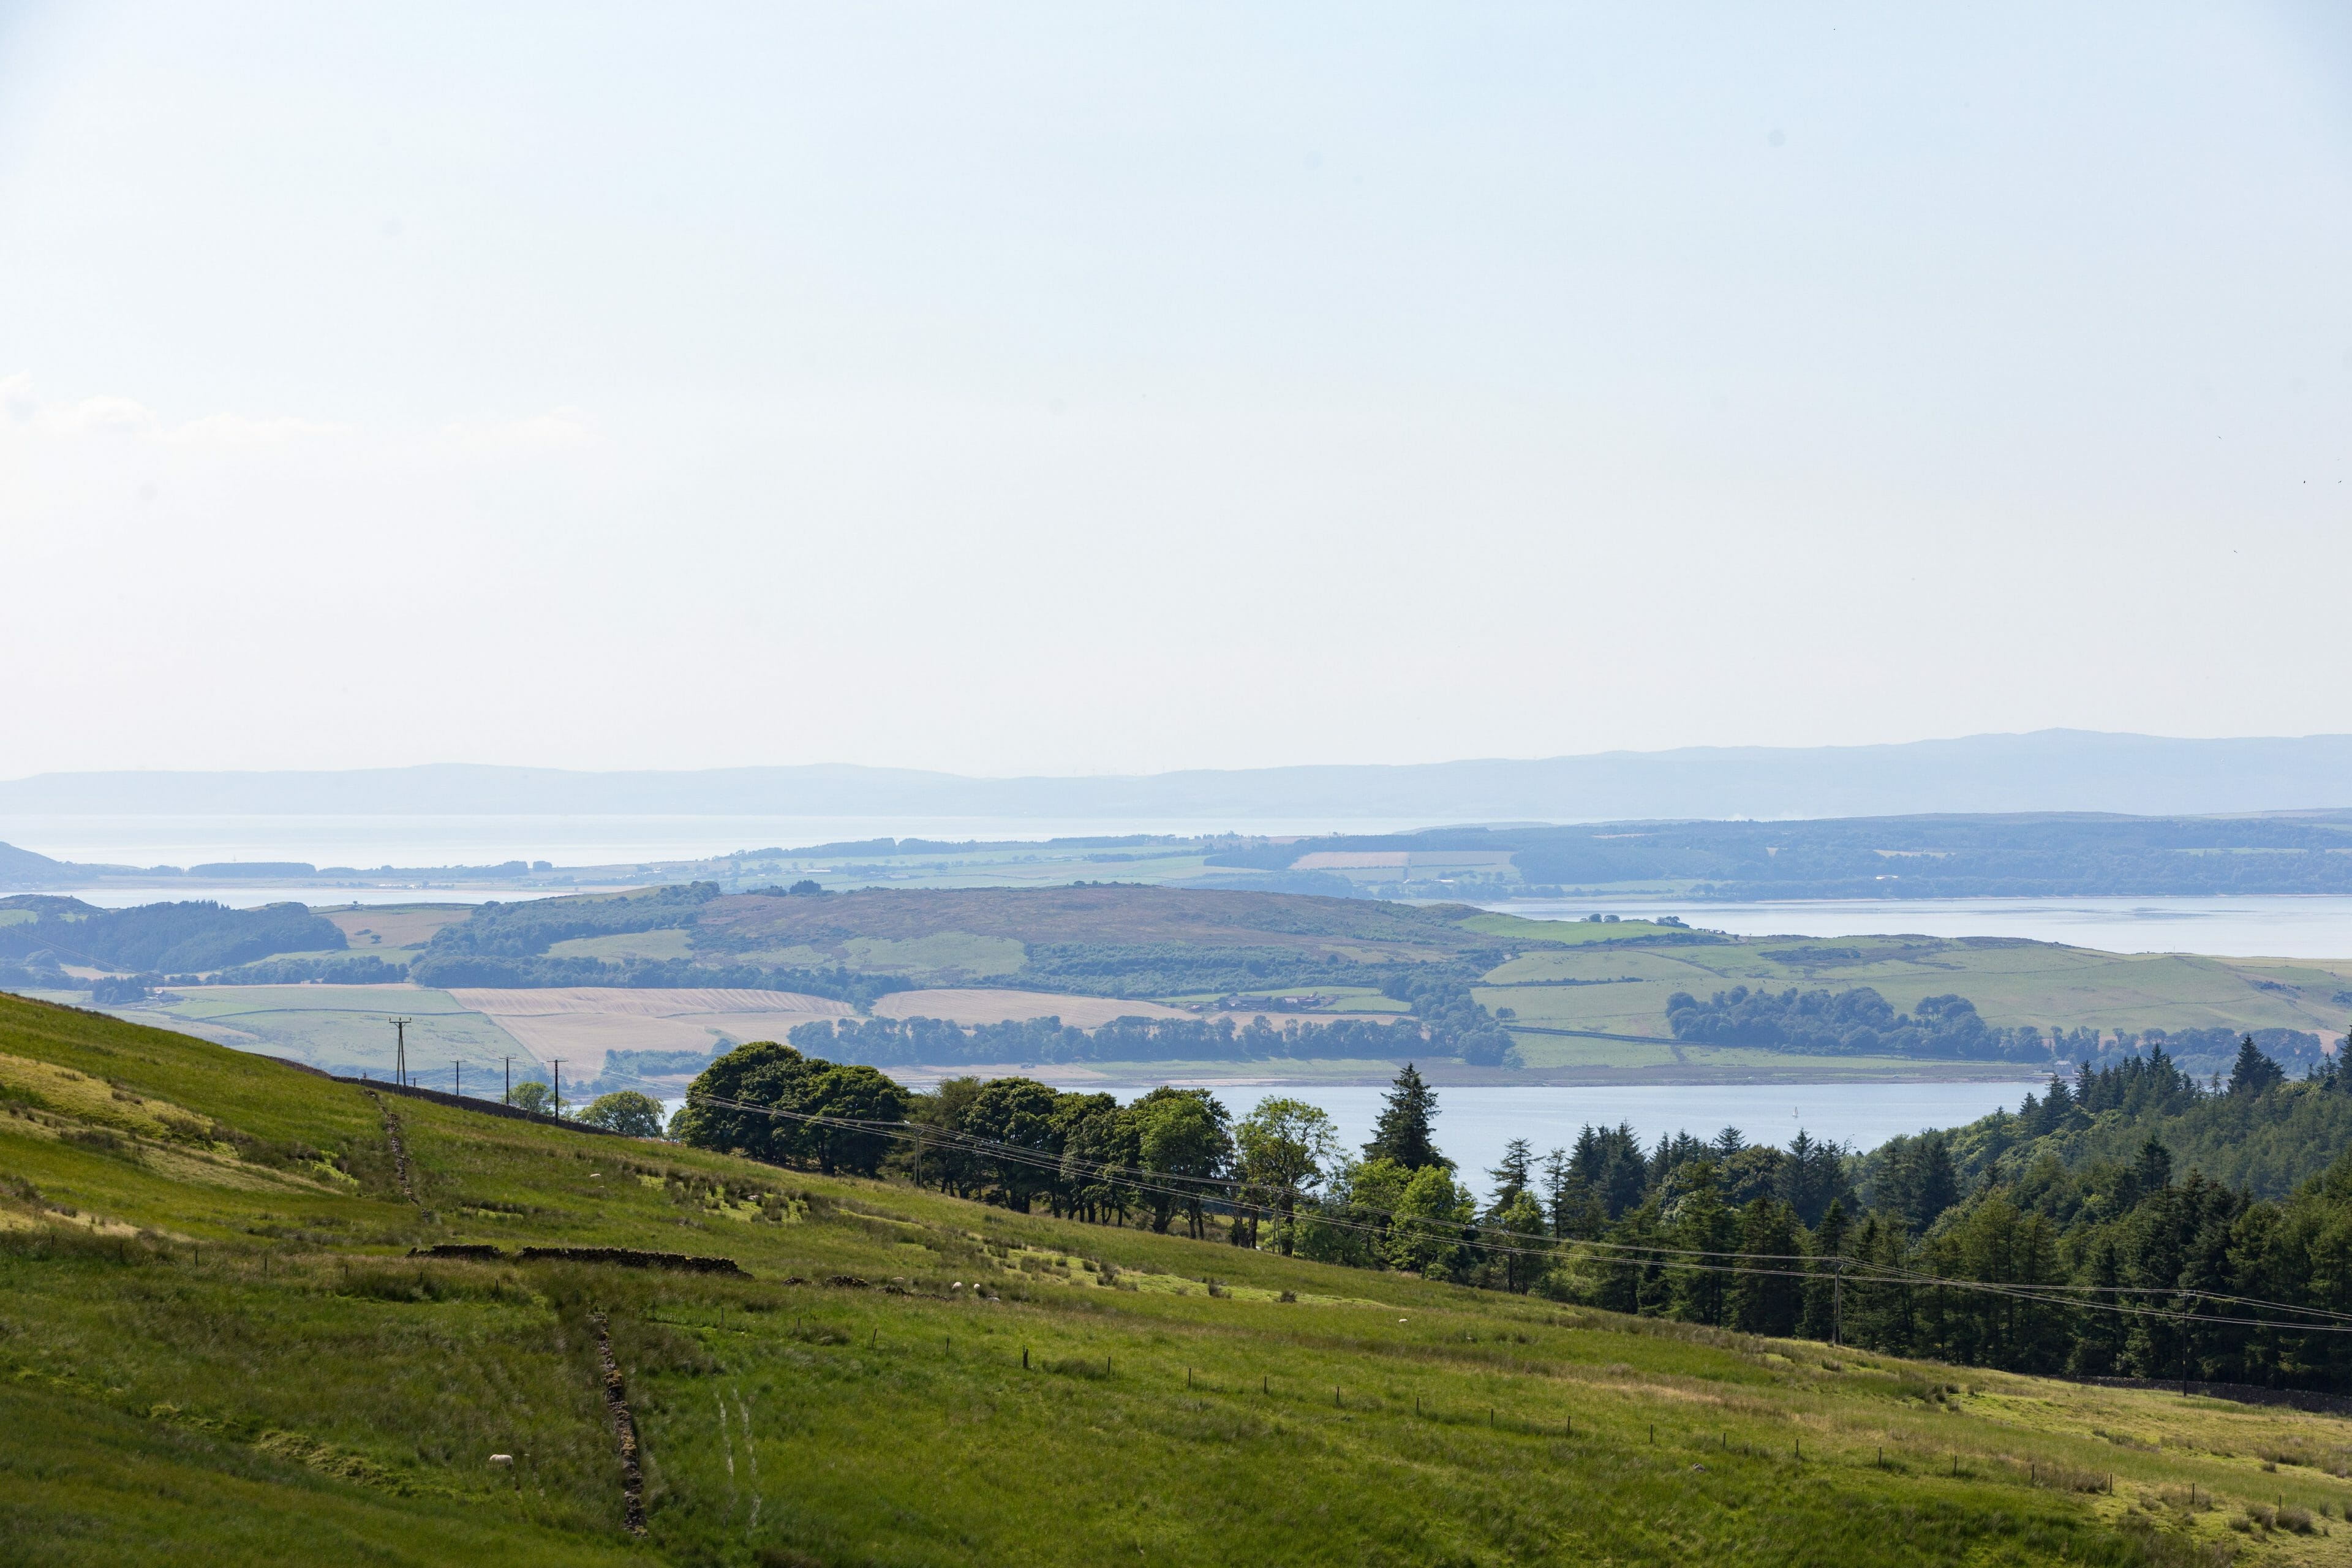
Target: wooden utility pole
506 1096
458 1078
559 1085
400 1051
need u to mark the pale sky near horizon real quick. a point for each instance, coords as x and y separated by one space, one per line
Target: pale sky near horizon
1097 387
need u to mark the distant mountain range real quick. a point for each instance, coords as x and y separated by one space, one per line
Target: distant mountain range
2049 770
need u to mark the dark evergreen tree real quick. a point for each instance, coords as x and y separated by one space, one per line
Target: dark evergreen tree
2099 1345
1702 1226
1766 1299
1610 1163
2253 1071
1812 1176
1512 1175
1402 1133
1821 1312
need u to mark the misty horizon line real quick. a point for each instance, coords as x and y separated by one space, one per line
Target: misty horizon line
1709 749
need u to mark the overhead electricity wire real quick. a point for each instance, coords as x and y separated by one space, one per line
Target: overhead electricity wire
1853 1270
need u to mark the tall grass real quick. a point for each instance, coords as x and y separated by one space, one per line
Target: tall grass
234 1371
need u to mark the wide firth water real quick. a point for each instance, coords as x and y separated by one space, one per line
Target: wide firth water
2263 926
1474 1123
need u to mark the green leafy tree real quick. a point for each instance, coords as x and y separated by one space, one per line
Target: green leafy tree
1350 1223
939 1152
843 1093
1425 1234
728 1106
1018 1114
534 1096
1098 1143
1402 1133
1520 1220
1183 1136
1286 1148
627 1112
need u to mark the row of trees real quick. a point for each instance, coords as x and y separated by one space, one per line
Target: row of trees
1862 1022
1856 1022
2059 1238
1448 1030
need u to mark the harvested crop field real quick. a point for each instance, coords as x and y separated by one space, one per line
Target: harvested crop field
580 1024
393 925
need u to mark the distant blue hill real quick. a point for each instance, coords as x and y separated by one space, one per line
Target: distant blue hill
2049 770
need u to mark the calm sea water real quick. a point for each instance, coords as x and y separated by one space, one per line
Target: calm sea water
1473 1124
2262 926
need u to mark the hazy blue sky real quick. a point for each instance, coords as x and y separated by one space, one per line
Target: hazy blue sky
1009 388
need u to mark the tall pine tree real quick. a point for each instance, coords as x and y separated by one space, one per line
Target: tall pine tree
1402 1133
2253 1071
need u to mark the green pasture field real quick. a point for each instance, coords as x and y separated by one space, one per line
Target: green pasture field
216 1348
1008 866
391 932
659 944
943 954
1564 933
2012 983
337 1027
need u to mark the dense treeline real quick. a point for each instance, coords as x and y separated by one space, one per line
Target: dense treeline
196 935
362 969
1445 1021
1895 858
907 1042
2261 1130
529 930
2086 1234
1859 1022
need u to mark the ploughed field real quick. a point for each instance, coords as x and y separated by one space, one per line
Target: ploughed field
217 1345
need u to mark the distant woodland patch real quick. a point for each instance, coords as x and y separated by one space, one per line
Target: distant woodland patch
2014 856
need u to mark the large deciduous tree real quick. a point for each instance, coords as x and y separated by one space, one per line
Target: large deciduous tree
1183 1139
1287 1149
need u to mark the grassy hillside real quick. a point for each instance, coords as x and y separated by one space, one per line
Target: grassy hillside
217 1348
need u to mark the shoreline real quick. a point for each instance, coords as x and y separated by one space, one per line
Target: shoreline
1440 1074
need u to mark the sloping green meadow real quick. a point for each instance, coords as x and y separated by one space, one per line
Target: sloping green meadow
215 1347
